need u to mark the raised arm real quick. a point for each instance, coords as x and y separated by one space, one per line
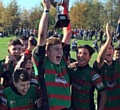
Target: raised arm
66 30
42 30
104 48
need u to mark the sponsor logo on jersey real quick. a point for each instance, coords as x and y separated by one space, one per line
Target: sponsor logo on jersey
3 100
60 79
96 76
34 81
99 85
111 84
30 100
12 102
76 86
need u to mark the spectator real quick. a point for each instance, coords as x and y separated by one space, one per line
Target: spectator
95 45
74 45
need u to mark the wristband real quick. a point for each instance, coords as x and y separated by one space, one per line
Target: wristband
27 52
46 11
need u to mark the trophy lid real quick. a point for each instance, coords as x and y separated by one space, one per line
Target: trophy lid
56 2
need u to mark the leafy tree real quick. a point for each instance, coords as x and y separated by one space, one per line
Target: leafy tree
35 15
13 11
77 12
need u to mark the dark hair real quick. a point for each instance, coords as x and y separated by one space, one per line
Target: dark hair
24 38
117 48
103 42
14 42
89 48
21 74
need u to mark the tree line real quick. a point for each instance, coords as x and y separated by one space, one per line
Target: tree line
87 14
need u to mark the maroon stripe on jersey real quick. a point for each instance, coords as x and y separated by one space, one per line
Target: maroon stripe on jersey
3 107
57 84
80 91
54 72
93 72
57 107
113 88
80 81
114 108
80 108
63 97
113 98
23 107
116 76
80 100
97 81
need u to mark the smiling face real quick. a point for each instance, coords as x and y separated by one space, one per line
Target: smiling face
29 66
83 57
15 50
21 80
55 53
22 86
117 54
24 44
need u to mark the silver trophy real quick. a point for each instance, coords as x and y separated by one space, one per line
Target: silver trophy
61 20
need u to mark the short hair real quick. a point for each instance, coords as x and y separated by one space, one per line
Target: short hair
89 48
117 48
14 42
52 41
21 74
103 42
24 38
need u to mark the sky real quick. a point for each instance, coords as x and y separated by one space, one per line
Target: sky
28 4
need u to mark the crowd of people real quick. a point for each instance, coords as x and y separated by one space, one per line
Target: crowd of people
41 75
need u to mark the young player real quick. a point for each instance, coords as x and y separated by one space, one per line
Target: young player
110 72
20 95
52 64
84 79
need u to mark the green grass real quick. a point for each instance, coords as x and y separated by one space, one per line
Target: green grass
3 46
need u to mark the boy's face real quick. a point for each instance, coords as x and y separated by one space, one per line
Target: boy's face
22 86
28 66
15 50
55 53
83 57
24 44
117 54
109 55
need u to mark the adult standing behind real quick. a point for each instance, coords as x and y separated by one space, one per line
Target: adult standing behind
110 72
52 64
84 79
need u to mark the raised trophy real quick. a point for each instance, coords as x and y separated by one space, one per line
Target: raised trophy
61 20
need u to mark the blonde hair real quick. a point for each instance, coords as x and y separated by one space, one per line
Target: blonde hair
52 41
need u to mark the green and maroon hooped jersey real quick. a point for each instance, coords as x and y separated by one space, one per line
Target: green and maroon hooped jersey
111 79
